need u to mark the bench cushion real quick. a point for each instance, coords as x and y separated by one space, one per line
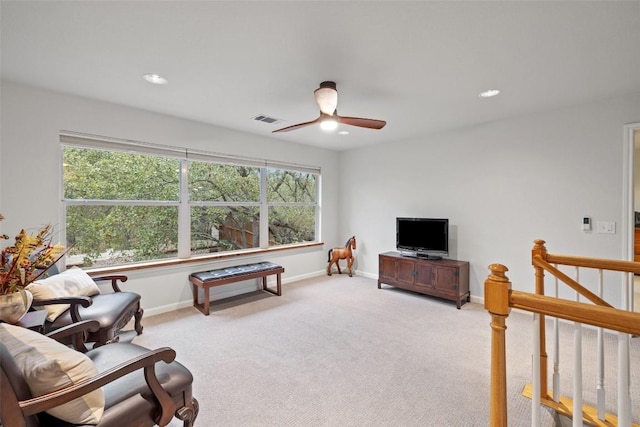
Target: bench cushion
239 270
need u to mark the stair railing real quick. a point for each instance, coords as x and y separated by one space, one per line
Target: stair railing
500 298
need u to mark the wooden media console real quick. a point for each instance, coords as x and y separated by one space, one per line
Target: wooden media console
223 276
444 278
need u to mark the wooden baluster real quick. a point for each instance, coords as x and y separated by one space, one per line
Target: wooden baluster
496 301
541 251
556 348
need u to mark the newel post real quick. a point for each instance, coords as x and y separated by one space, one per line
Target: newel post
496 301
539 250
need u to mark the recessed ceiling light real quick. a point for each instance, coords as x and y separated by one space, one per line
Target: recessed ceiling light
155 79
343 132
489 93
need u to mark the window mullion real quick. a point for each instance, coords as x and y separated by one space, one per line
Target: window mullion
105 202
225 203
184 213
264 210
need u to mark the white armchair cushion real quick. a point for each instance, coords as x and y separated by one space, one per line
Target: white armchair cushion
72 282
48 366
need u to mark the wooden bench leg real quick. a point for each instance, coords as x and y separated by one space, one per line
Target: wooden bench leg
194 291
206 301
279 284
204 307
278 290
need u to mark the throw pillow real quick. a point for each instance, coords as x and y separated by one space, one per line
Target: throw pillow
48 366
72 282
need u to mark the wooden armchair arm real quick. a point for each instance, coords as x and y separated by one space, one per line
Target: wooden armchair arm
77 333
72 301
145 361
82 300
114 280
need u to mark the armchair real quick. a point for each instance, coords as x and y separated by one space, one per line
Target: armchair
135 386
73 296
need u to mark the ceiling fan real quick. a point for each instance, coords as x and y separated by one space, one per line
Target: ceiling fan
327 99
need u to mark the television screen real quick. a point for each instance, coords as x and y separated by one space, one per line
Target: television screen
424 236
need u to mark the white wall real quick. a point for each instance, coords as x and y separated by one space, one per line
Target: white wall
502 185
30 175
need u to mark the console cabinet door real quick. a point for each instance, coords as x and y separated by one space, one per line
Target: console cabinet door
405 271
388 270
447 280
424 273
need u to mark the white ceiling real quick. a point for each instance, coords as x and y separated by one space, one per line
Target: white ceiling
419 65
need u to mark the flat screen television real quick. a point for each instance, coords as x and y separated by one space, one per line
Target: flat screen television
425 237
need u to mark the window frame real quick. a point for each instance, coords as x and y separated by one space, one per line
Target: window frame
184 204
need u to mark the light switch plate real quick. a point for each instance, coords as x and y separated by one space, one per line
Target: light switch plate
606 227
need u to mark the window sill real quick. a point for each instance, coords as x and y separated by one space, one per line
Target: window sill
119 269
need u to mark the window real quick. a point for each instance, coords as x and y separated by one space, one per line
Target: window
128 202
225 206
291 197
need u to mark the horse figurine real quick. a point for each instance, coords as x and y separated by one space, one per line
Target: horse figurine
336 254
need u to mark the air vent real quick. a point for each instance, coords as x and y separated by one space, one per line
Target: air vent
266 119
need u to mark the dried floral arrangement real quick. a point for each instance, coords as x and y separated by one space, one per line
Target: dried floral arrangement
30 257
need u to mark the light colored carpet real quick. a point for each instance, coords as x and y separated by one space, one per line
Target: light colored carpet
338 351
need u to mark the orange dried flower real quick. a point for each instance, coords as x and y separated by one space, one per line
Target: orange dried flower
28 259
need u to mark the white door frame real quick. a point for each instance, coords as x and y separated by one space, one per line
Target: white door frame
628 220
628 190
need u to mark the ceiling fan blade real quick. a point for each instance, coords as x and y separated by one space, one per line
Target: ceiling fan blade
361 122
298 126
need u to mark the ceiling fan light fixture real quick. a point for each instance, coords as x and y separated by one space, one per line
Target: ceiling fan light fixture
327 99
328 125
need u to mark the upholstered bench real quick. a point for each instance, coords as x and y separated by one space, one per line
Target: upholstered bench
222 276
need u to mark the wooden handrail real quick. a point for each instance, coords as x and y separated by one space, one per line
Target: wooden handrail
603 317
539 250
599 263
